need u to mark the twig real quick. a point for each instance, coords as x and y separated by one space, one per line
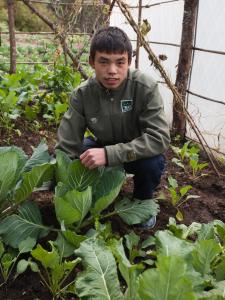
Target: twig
61 38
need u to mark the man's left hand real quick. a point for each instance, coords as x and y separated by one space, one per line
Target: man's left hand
93 158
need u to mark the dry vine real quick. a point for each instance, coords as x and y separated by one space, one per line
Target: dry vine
60 35
177 97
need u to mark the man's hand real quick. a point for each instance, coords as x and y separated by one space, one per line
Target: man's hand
93 158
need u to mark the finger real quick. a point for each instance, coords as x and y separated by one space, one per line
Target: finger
83 155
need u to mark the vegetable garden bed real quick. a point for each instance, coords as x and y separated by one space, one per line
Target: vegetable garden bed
209 206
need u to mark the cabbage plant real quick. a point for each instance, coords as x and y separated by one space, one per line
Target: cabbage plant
19 175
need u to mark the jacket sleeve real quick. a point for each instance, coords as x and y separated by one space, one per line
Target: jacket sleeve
154 138
72 127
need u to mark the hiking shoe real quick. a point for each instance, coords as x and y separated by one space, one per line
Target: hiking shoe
148 224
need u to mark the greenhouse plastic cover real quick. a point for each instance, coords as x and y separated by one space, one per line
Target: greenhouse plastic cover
208 71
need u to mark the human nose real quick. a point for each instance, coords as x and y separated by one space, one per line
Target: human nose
112 69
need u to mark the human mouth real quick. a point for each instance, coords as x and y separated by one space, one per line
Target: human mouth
112 81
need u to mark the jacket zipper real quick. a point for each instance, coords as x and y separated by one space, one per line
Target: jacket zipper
111 99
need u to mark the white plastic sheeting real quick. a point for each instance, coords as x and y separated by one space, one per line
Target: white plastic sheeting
208 71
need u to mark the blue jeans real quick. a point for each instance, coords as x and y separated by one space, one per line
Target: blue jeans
147 171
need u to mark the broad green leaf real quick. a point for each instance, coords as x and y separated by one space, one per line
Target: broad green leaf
220 269
49 259
81 201
169 281
9 102
182 231
40 156
28 223
65 212
136 211
129 271
202 166
132 240
204 253
185 189
172 182
8 173
22 266
107 189
61 189
206 232
27 245
57 269
21 155
60 108
6 262
178 162
32 179
220 229
65 247
80 177
74 206
62 164
169 245
216 293
174 196
73 238
100 279
150 241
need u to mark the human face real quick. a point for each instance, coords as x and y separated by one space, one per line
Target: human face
110 68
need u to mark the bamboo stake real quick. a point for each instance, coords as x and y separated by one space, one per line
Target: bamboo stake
177 97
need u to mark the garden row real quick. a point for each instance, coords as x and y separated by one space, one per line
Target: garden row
87 258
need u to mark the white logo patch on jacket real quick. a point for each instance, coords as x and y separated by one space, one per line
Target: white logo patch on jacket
126 105
94 120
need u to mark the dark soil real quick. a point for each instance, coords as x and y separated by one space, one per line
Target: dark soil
209 206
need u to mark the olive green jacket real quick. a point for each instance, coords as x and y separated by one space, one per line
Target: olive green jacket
129 121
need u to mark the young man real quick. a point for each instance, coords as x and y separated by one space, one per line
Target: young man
124 111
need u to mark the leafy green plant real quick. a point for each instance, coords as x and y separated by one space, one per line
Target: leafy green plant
8 259
83 195
197 167
185 268
100 279
182 152
189 154
27 221
179 195
54 270
39 93
20 175
132 244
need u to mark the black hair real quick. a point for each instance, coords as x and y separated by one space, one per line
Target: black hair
110 40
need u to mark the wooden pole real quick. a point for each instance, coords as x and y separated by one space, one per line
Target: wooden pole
12 38
138 39
184 65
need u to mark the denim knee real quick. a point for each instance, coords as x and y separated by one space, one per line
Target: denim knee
153 165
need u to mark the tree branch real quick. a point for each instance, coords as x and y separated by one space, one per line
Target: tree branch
61 38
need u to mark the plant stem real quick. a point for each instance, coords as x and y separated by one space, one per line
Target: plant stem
91 219
181 202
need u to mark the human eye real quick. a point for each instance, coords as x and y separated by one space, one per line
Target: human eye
120 62
103 62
